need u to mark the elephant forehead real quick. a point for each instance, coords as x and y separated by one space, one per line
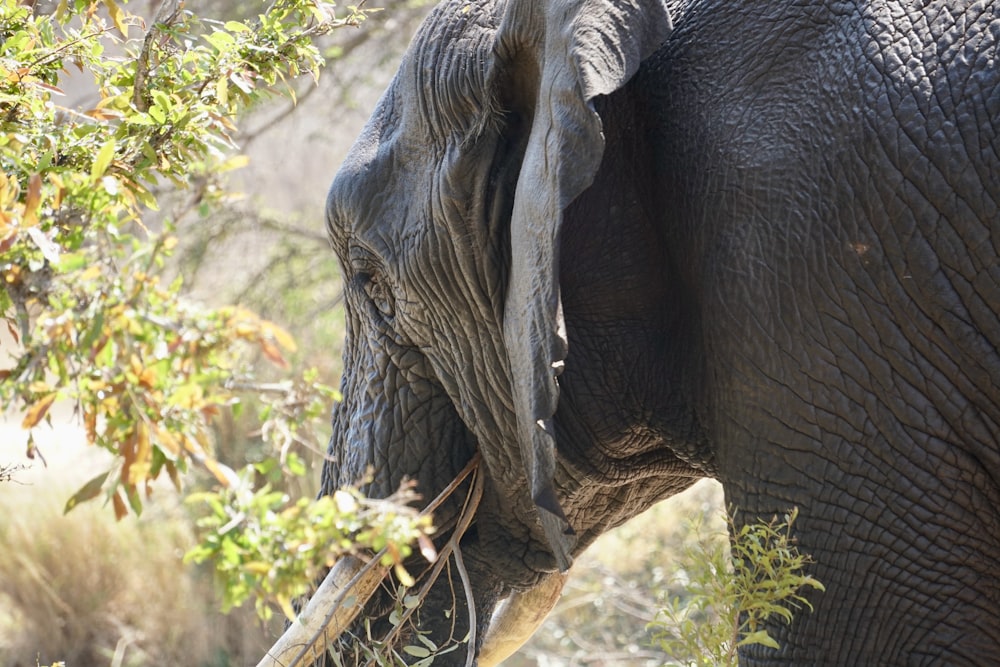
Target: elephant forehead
388 187
445 89
377 186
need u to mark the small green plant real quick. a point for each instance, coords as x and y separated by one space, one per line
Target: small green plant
371 650
735 587
265 546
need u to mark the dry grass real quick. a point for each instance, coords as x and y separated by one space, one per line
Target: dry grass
82 589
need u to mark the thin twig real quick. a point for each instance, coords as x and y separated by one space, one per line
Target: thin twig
451 548
165 16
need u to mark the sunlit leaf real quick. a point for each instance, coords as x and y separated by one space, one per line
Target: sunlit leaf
427 549
222 472
50 250
273 354
37 411
760 637
32 199
404 577
103 160
282 337
117 15
222 89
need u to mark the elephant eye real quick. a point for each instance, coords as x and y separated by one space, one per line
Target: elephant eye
377 294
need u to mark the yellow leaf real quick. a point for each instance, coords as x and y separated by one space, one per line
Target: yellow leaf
222 90
117 15
148 378
60 190
222 472
403 576
244 330
286 607
139 470
168 441
273 354
282 337
257 567
235 162
8 189
37 411
31 201
187 396
91 272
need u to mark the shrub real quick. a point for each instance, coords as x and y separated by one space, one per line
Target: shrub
733 594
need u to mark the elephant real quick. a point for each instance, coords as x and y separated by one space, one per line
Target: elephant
611 247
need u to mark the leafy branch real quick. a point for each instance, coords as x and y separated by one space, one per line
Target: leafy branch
84 249
734 594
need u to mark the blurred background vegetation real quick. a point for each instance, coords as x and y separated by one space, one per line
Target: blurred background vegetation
90 591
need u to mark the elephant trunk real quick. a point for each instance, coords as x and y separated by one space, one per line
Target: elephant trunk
351 583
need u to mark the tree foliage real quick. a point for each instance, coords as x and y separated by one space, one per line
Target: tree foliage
94 197
83 258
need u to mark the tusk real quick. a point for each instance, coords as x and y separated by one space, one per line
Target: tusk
518 617
332 608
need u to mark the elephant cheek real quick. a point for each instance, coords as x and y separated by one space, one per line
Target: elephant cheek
354 450
394 424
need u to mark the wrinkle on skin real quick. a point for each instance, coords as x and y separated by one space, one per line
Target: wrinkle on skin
838 207
809 311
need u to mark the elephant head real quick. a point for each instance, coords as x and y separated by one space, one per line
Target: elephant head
452 218
609 261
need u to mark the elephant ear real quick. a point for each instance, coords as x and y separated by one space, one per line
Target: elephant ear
579 49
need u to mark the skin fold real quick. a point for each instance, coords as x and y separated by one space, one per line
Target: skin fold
617 246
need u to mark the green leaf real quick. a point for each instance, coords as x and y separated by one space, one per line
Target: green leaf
220 39
88 491
103 160
296 465
416 651
134 499
758 638
73 261
157 113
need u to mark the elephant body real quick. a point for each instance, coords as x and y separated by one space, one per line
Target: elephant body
835 193
615 247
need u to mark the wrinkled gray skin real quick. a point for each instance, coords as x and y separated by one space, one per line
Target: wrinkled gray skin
761 247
